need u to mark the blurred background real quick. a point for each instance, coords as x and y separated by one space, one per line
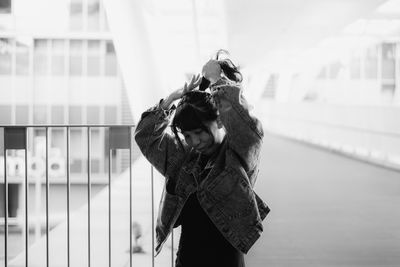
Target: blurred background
320 73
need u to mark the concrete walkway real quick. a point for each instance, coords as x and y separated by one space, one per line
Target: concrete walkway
326 209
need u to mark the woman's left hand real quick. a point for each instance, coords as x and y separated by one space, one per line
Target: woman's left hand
178 93
194 82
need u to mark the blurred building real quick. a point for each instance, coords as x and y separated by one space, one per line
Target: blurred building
58 66
344 93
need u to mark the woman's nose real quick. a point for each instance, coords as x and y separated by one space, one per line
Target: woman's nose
195 141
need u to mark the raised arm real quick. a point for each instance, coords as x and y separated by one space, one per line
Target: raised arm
157 144
244 131
159 147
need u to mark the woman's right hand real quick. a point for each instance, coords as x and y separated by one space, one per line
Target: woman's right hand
178 93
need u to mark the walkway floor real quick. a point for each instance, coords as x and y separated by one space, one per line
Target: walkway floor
326 210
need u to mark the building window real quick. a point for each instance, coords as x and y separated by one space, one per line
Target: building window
322 74
355 67
41 57
57 57
93 15
75 115
96 150
5 56
76 57
76 148
1 144
39 114
93 58
57 115
93 115
5 6
371 63
110 115
22 114
22 58
334 70
110 60
76 15
5 114
58 137
13 200
388 61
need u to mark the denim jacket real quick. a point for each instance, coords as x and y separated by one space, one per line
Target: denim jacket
226 193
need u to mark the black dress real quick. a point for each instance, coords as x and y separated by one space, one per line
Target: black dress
201 243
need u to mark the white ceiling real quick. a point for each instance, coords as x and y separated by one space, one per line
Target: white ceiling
261 29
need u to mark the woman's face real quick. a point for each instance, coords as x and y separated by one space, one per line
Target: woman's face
203 141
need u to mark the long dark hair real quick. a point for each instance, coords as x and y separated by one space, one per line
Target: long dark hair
193 110
230 70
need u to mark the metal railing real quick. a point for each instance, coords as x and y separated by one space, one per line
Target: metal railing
120 137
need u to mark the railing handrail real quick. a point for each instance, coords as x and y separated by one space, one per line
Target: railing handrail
64 125
120 138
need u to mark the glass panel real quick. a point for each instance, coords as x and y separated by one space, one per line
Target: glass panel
355 67
40 61
93 15
58 57
76 15
76 165
105 26
93 115
22 114
110 115
96 150
5 56
95 165
75 67
75 115
334 69
22 59
39 114
5 6
322 73
57 115
5 114
93 61
58 137
1 146
388 61
96 143
76 148
110 60
371 63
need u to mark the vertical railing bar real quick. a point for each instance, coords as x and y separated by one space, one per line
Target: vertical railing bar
89 190
152 216
130 197
5 205
172 247
47 196
109 206
26 200
68 197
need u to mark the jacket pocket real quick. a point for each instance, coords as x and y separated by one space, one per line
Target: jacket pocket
233 194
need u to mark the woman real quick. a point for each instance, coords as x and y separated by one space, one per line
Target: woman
210 162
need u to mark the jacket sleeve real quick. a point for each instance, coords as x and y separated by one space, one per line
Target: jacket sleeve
157 144
244 131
